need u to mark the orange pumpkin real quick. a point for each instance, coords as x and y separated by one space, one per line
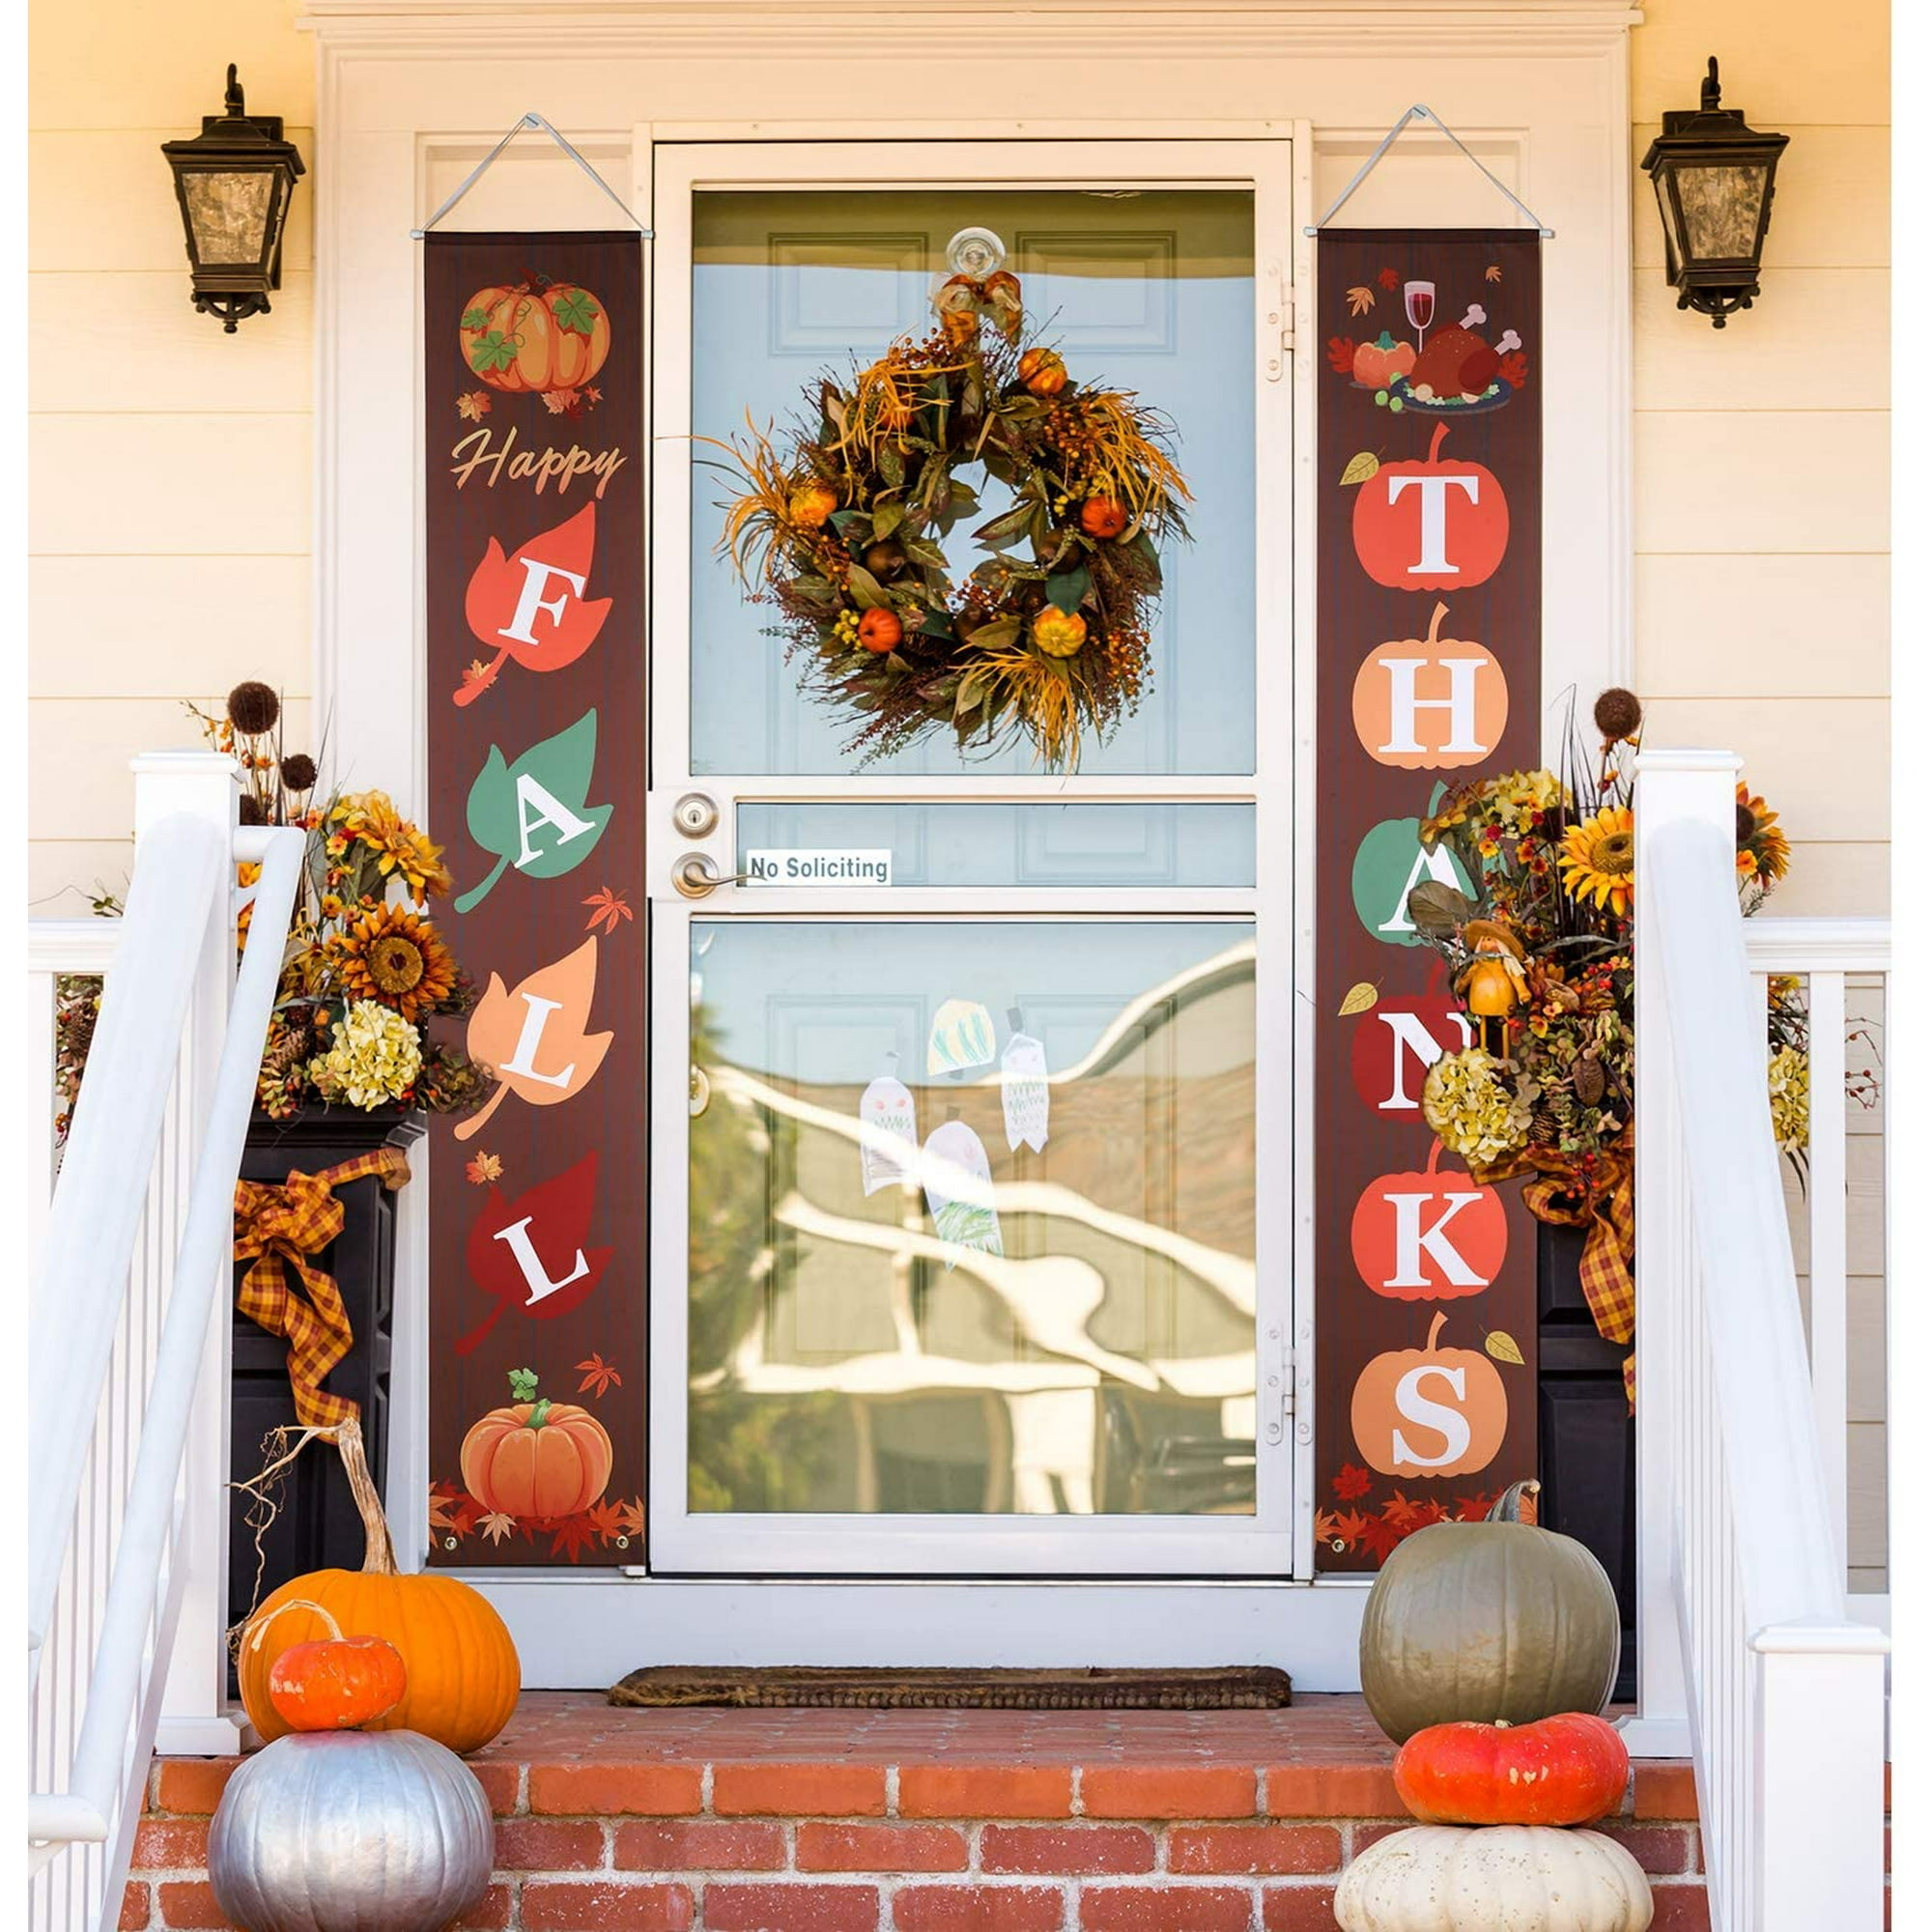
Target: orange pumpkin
1567 1770
460 1666
537 1459
1042 372
335 1683
1376 364
1101 517
1432 525
1060 634
1430 703
812 503
880 630
536 337
1428 1411
1427 1236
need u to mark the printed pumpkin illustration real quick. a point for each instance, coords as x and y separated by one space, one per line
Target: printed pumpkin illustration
536 1458
1430 1411
539 335
1399 1039
1430 703
1429 1236
1434 525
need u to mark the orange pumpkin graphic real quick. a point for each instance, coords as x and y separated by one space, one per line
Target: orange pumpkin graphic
1429 1236
1433 524
1430 703
1428 1411
534 337
536 1458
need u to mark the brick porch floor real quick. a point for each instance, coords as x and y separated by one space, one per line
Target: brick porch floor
919 1821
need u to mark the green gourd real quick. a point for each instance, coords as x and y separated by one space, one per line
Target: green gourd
1489 1621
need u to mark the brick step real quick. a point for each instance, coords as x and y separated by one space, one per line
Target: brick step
919 1821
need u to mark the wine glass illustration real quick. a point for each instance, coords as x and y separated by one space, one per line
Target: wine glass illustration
1418 300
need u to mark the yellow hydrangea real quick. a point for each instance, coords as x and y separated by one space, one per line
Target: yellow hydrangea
1789 1078
1473 1111
376 1058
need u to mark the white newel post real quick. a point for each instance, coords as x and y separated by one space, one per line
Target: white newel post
197 1716
1673 786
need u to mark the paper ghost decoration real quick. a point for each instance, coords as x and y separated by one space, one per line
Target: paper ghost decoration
959 1191
1024 1094
962 1037
887 1130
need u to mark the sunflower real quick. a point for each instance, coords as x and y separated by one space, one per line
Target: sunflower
391 954
371 818
1599 860
1764 852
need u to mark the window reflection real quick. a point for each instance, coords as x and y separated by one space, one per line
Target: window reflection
1069 1331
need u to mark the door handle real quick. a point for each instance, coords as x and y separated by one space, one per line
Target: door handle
693 877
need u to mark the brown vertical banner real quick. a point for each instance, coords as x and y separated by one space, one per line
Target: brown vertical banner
1429 648
533 398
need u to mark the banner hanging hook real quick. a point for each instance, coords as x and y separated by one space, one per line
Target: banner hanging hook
1420 112
483 167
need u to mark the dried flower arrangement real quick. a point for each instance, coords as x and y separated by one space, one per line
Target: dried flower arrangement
365 971
837 523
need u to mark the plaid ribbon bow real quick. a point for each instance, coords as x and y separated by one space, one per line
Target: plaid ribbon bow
1609 1213
278 1228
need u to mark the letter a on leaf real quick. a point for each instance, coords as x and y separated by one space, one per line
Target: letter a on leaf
530 606
534 814
529 1253
533 1040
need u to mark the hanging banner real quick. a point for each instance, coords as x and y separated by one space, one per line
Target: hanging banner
1429 648
534 397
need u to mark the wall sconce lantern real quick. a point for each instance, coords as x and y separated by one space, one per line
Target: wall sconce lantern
1713 177
235 181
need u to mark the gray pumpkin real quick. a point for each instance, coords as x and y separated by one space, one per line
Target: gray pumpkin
1487 1621
351 1832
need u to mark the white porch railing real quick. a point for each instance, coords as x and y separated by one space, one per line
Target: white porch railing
1776 1694
125 1500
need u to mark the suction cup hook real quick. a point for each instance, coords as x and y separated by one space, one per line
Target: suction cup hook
975 252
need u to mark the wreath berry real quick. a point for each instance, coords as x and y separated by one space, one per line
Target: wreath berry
1048 637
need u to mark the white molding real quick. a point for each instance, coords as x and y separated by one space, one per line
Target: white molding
72 945
1778 945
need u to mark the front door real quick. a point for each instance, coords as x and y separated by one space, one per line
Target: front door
971 1094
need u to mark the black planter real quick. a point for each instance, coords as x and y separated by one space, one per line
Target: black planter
1586 1438
317 1526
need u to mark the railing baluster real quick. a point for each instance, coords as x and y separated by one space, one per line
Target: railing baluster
1826 1203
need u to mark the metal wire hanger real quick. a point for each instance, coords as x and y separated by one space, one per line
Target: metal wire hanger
483 167
1419 112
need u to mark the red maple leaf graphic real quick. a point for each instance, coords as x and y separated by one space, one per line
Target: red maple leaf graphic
1379 1535
1341 354
529 606
1473 1509
1350 1481
1388 278
1513 368
572 1535
556 1214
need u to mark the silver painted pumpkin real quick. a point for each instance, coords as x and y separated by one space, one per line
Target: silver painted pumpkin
351 1832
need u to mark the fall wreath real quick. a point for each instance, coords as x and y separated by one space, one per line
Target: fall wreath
836 524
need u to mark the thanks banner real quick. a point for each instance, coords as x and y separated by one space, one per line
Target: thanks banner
1429 491
533 398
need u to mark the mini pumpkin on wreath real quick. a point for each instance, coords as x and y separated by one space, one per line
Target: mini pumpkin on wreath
1048 638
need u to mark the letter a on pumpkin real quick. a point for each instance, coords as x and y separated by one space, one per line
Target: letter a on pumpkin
534 1040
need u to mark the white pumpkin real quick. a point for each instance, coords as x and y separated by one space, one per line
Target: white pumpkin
1493 1877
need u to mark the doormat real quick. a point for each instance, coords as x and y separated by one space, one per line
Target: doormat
1236 1688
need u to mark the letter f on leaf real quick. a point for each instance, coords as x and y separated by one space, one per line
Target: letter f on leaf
533 1040
530 606
532 814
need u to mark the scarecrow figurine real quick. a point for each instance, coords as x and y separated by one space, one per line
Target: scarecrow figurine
1492 983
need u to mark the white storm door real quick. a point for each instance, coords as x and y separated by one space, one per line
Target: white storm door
1036 1323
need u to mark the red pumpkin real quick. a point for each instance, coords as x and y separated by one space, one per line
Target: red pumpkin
1101 517
534 337
336 1683
880 630
1429 1236
1432 525
1399 1039
1561 1771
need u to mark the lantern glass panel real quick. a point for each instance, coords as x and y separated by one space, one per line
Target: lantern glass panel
233 216
1721 206
1660 183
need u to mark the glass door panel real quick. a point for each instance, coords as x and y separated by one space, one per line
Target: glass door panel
1148 290
972 1084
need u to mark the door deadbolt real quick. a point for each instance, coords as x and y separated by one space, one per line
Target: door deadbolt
692 876
694 814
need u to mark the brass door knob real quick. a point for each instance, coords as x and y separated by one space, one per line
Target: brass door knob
693 877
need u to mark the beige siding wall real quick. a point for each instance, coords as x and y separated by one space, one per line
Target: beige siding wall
169 523
1761 448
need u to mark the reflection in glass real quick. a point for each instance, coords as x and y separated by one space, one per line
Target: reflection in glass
1096 1356
1146 290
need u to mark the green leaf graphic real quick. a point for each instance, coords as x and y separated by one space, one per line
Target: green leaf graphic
475 318
574 312
532 814
495 351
